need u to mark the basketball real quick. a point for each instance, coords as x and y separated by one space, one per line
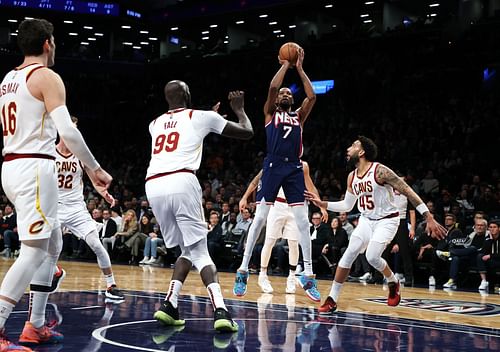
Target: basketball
290 52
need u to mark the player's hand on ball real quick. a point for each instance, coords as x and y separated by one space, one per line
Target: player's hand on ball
237 100
300 59
284 62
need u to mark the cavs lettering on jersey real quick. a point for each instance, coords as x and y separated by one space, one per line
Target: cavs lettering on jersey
177 139
27 128
69 178
284 135
375 201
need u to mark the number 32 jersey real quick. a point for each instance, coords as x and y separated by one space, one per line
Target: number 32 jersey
375 200
177 139
69 178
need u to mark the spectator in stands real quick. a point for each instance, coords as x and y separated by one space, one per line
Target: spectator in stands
463 250
488 260
336 247
228 226
144 209
245 222
214 236
225 213
8 228
116 215
321 237
154 240
108 228
346 225
127 237
430 185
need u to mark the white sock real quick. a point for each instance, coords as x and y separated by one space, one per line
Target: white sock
215 293
263 272
335 290
292 272
392 278
173 292
110 280
5 310
308 268
38 301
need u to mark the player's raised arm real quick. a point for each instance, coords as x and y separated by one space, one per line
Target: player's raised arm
243 128
386 175
251 187
274 87
308 103
312 188
345 205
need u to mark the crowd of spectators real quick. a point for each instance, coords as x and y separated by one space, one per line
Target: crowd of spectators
424 100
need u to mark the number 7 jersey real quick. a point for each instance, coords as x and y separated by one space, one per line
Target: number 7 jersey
375 200
177 139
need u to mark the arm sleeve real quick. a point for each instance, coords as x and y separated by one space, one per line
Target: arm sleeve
344 205
208 121
72 137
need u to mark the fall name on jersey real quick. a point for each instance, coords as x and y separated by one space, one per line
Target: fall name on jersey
282 117
362 187
169 124
67 166
9 88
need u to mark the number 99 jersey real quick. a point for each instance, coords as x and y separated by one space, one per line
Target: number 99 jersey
177 139
69 178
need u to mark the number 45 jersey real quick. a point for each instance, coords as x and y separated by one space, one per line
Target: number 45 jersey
69 178
375 200
177 139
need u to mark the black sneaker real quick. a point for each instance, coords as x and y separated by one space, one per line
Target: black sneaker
168 315
114 293
58 277
223 321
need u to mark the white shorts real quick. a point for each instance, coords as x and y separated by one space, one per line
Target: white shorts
381 231
31 185
281 223
76 218
176 203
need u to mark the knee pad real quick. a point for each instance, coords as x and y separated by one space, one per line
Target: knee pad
55 243
374 255
199 255
92 239
351 253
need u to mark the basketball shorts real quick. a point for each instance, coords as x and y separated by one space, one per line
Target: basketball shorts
76 218
281 223
176 202
381 231
280 173
31 186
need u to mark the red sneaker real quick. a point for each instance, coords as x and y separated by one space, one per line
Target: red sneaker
44 335
328 307
58 277
7 346
394 295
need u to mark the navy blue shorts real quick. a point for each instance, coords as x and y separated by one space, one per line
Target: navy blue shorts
279 172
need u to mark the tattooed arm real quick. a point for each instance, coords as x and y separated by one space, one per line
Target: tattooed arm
386 175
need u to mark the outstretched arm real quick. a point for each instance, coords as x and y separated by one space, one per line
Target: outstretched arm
251 187
312 188
308 103
274 88
344 205
386 175
243 128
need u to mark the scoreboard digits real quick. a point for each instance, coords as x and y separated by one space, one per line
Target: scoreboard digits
75 6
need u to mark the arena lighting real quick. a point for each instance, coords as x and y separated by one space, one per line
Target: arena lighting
227 37
73 34
144 43
88 27
68 21
127 43
126 27
364 15
263 16
205 38
281 36
433 14
136 47
205 32
434 5
13 34
367 21
213 26
369 2
184 47
153 38
277 31
99 34
173 29
226 41
84 43
273 23
240 22
334 26
28 18
144 32
12 21
91 39
292 26
328 6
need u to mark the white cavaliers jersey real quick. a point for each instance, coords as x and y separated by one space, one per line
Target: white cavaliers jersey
401 202
69 178
27 127
375 201
177 139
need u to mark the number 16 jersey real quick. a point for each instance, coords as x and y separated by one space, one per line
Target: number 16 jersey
177 139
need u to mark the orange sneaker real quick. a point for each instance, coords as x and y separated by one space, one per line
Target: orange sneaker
394 295
328 307
7 346
44 335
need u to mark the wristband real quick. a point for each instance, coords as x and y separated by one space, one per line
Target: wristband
422 208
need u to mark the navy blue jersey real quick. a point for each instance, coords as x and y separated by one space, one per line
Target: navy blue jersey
284 135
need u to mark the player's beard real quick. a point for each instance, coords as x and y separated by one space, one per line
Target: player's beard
284 105
352 161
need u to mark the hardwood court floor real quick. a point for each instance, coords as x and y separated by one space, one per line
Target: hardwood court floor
423 317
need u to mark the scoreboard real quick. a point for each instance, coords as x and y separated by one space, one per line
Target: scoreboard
70 6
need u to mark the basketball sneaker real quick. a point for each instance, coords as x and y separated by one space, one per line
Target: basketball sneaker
443 255
58 277
113 292
450 284
163 336
265 284
328 307
484 285
394 296
309 284
168 315
44 335
223 321
240 283
7 346
290 284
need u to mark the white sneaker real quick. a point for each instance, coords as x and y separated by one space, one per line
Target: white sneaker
365 277
450 284
265 284
432 281
144 260
298 270
151 260
290 284
443 255
484 285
